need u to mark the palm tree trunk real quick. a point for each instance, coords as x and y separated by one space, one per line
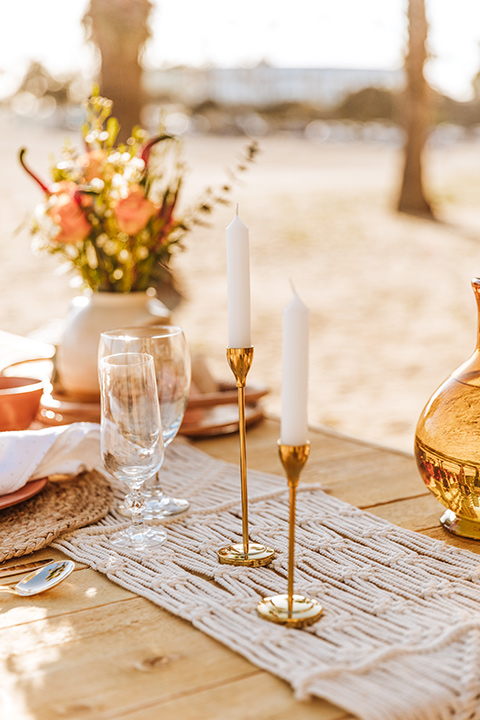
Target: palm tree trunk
417 114
119 28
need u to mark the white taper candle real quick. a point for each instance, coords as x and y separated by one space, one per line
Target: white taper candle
294 425
238 284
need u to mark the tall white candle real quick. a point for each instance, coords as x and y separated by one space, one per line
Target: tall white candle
238 284
294 425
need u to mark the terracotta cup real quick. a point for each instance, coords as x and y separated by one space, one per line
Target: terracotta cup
19 402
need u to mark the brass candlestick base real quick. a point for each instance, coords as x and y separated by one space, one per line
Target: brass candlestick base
235 554
292 610
244 553
304 611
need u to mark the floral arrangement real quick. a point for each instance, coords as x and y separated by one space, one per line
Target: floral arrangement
111 211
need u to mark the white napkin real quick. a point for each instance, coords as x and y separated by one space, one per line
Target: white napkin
29 454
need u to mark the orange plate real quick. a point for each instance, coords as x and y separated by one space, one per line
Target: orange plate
24 493
227 393
56 409
221 420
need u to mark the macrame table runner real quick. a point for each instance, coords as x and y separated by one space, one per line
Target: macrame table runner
400 634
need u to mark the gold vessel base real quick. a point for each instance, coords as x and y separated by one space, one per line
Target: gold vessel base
257 555
460 526
305 611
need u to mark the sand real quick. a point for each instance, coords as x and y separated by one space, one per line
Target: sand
392 310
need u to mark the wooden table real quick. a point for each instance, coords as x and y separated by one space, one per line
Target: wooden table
90 649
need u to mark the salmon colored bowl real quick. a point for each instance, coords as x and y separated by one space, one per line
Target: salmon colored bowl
19 401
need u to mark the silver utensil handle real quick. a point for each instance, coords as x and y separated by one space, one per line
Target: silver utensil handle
25 567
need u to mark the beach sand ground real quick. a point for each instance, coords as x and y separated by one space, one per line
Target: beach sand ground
392 310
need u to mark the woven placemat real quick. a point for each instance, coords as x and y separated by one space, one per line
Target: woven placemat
61 506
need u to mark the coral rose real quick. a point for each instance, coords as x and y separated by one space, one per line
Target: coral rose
68 215
133 212
92 164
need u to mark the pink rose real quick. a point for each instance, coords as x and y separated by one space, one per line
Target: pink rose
68 215
92 164
134 211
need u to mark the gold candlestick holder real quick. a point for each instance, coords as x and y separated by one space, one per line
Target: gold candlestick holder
244 553
295 611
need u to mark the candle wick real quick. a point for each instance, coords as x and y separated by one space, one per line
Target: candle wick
236 209
292 285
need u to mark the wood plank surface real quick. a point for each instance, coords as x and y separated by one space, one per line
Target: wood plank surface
90 649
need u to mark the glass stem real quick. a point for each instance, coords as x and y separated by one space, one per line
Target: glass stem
156 488
152 487
136 504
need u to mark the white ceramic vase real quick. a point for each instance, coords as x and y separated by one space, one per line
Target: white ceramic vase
90 315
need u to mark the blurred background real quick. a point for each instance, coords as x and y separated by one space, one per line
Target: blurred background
365 191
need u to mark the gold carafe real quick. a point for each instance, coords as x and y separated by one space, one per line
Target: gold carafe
447 444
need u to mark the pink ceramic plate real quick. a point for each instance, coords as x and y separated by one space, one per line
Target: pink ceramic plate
25 492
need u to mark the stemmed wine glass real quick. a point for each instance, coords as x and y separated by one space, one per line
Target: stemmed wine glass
168 347
131 437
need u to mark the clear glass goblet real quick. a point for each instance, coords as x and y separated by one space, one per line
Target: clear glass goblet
131 437
168 347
